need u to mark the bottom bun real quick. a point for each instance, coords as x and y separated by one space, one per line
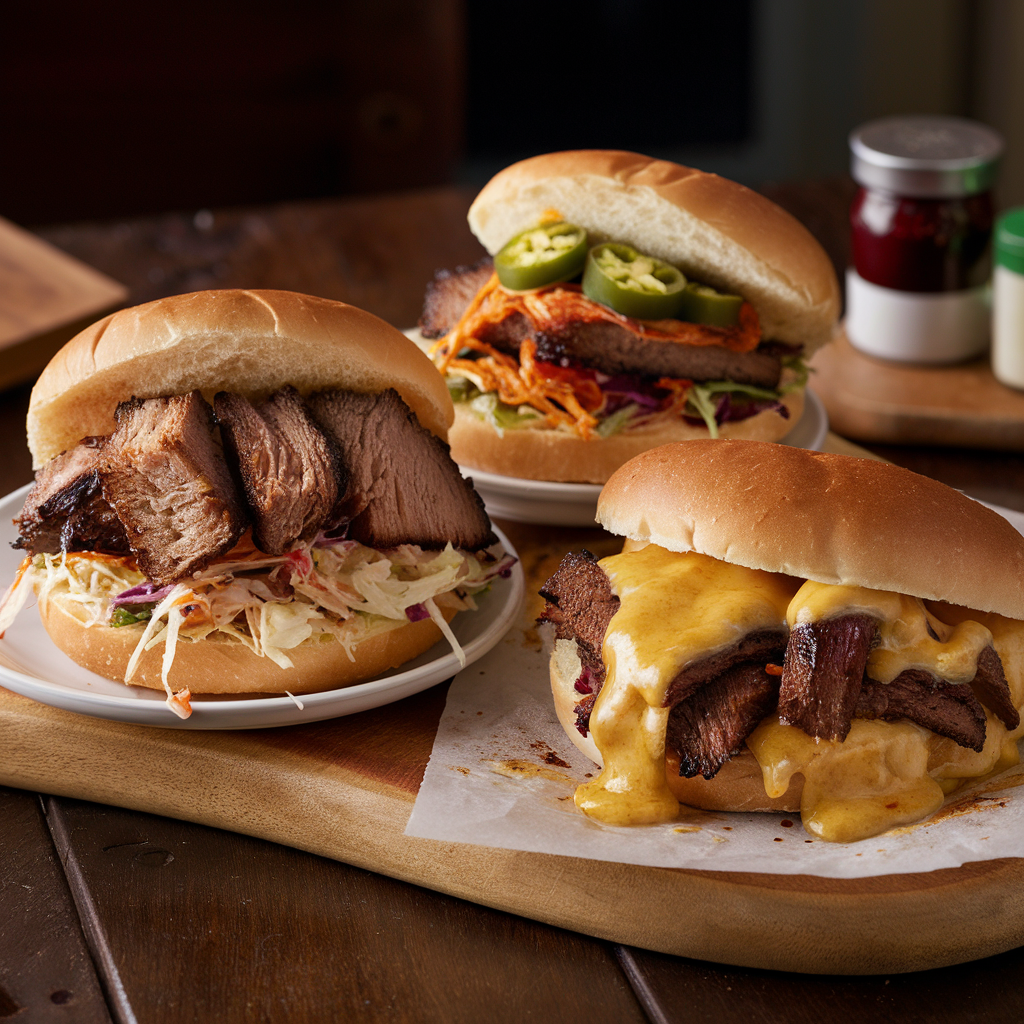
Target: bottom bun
220 665
533 454
738 786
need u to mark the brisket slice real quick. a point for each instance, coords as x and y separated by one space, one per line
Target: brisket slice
710 726
614 350
65 509
990 687
288 469
822 674
949 709
761 645
449 294
166 477
580 604
601 345
403 487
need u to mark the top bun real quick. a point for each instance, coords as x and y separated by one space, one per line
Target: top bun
251 342
721 233
830 518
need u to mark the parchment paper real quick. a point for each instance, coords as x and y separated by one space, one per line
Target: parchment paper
502 773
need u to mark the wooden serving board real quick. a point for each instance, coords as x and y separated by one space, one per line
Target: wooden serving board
962 406
345 788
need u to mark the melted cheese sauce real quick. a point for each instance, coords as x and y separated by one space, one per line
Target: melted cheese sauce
680 608
675 609
891 773
903 623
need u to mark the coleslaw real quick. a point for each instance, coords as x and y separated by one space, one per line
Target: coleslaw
332 589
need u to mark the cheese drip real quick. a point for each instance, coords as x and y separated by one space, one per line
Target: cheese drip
904 641
675 609
886 774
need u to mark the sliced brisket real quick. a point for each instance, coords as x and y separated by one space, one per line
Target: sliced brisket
601 345
949 709
580 606
449 294
990 687
166 477
403 487
65 509
614 350
822 674
761 645
710 726
289 471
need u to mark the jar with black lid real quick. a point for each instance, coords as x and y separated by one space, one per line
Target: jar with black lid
921 227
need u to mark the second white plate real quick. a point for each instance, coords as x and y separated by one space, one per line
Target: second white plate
561 504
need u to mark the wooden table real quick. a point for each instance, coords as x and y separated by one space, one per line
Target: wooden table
107 914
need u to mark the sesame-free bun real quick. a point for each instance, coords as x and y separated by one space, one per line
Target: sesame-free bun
534 454
713 229
830 518
251 342
219 665
738 785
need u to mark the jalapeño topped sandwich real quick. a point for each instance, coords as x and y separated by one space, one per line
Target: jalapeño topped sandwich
629 302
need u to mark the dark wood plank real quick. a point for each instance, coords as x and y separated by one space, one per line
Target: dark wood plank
205 925
46 974
377 253
690 992
997 477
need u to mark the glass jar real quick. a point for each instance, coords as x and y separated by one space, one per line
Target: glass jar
921 227
1008 300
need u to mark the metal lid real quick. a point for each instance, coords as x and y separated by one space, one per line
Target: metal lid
928 157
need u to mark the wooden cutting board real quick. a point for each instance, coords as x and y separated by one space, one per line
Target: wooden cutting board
46 298
961 406
345 788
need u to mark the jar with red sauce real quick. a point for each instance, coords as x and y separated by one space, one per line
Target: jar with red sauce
919 288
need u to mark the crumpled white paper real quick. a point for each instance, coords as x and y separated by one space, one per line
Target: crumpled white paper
502 773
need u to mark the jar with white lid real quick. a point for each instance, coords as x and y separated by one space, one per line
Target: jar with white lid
921 223
1008 300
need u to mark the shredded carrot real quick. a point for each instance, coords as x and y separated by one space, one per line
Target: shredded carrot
773 670
566 398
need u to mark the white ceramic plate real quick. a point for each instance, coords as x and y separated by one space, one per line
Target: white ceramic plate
557 504
32 665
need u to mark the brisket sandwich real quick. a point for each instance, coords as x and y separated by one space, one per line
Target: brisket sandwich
246 491
629 302
787 630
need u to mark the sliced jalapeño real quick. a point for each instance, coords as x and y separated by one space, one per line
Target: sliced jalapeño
635 285
704 305
541 256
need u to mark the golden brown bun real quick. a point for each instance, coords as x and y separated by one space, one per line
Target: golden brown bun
252 342
738 786
555 455
715 230
830 518
222 666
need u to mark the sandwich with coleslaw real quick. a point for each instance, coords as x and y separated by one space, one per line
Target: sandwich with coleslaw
245 492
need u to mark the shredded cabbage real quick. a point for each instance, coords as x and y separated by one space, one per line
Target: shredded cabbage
329 589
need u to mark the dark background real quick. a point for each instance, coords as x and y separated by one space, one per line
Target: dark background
120 109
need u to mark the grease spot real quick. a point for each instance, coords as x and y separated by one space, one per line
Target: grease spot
517 768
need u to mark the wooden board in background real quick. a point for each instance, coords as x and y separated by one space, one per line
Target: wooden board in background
46 297
962 406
